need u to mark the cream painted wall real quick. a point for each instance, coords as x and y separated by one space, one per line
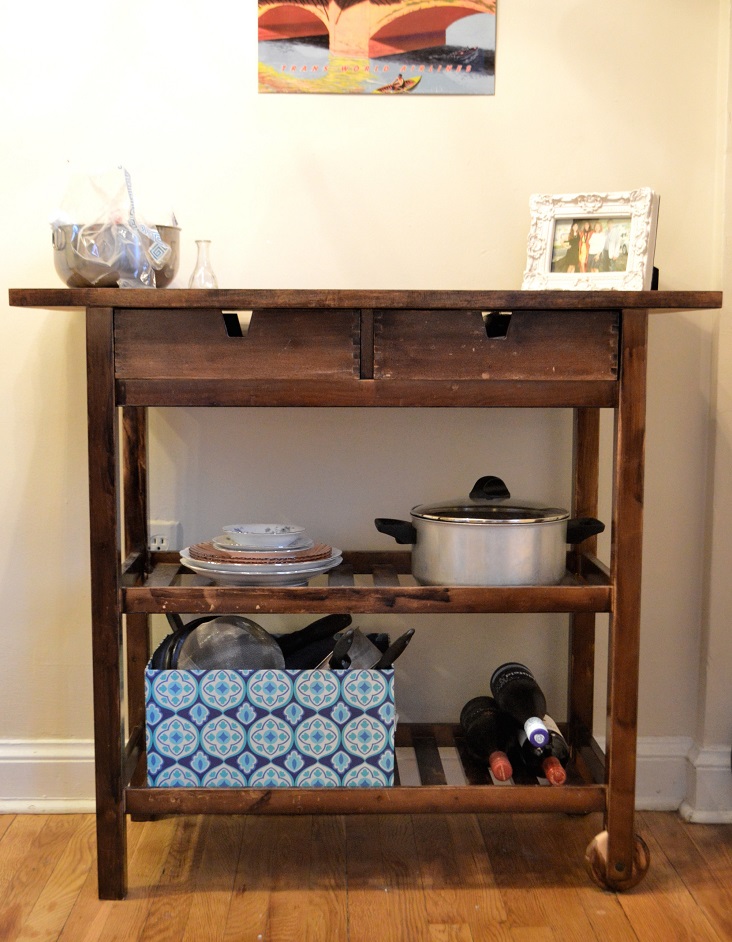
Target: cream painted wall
710 787
315 191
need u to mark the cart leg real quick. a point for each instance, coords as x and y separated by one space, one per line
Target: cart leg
624 863
586 459
106 619
135 525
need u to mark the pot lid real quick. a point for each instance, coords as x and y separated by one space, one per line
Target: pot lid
490 502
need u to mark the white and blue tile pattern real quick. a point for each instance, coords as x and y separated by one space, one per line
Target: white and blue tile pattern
270 728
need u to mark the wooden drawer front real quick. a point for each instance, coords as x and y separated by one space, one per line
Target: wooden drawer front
195 344
538 345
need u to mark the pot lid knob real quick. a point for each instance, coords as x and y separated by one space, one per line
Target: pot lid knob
489 488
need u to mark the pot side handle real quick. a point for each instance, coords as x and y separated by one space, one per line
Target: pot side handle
582 528
489 488
401 530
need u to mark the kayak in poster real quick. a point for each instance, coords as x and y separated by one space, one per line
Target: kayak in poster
385 47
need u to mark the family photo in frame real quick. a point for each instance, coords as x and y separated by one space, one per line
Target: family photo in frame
595 240
590 245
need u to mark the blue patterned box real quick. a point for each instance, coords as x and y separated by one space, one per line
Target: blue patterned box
270 728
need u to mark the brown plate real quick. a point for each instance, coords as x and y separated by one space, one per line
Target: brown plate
207 552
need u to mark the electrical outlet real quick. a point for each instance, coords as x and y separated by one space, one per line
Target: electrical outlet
165 536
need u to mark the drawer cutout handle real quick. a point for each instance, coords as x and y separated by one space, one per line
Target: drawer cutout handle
237 323
496 324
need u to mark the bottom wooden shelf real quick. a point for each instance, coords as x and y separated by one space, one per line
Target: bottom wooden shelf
434 773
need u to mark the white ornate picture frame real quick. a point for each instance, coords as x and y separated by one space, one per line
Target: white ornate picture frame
561 250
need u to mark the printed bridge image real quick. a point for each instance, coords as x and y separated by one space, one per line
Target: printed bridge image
446 45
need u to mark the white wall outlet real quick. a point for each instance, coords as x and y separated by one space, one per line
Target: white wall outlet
165 536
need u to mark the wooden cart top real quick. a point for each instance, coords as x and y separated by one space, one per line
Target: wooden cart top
246 299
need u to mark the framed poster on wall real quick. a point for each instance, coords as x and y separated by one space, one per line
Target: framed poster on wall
383 47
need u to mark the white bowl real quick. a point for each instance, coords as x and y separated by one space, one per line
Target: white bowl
263 535
225 542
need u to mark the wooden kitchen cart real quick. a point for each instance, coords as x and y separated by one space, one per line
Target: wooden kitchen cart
584 350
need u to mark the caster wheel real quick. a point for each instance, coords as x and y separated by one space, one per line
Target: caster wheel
596 863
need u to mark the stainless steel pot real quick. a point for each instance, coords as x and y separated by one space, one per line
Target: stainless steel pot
488 538
87 256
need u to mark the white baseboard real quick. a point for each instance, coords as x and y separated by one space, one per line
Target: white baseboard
709 788
57 776
661 776
46 776
661 772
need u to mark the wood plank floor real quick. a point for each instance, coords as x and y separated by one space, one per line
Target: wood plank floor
395 878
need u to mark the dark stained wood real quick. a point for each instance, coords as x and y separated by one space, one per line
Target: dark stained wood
163 574
400 561
135 497
589 759
133 565
366 352
134 479
106 619
585 461
381 599
335 391
341 576
385 576
475 771
183 345
318 299
552 346
428 760
322 348
168 589
624 653
589 568
422 799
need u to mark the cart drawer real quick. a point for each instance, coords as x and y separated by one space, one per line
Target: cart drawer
203 344
473 345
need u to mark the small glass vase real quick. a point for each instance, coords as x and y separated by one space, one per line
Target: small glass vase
203 274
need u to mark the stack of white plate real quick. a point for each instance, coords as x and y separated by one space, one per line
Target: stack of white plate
261 554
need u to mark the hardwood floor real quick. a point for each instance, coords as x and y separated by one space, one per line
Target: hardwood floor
396 878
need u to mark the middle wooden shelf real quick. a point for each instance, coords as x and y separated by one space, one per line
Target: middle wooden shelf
377 583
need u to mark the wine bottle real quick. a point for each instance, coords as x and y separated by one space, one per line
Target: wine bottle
486 730
547 761
517 693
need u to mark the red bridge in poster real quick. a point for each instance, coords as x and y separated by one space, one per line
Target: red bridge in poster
367 28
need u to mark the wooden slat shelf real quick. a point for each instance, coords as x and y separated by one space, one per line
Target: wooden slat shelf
377 583
436 748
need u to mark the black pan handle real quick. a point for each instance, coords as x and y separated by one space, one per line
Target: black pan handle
157 661
401 530
393 651
324 627
582 528
174 620
489 488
